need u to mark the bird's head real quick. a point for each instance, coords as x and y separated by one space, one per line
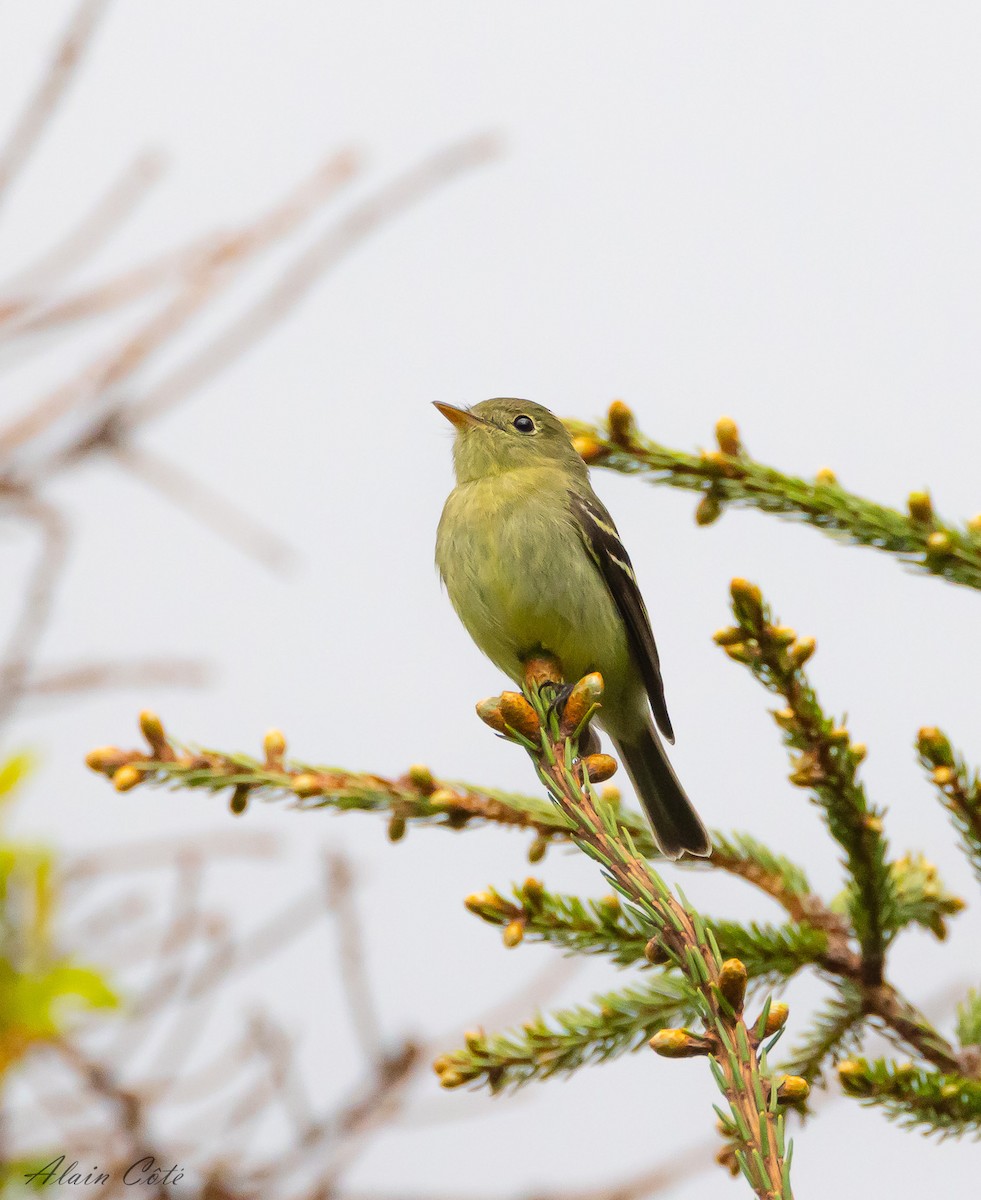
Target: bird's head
502 435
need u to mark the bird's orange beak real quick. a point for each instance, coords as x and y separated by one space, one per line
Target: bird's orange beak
458 416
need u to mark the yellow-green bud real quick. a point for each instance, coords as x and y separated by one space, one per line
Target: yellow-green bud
489 711
274 747
477 902
801 651
443 798
152 729
536 851
421 779
732 982
106 759
655 952
514 933
396 827
944 776
708 510
621 423
239 801
728 637
533 892
519 715
939 543
826 477
677 1043
920 507
776 1018
781 635
599 767
126 777
588 448
583 696
727 435
792 1089
307 784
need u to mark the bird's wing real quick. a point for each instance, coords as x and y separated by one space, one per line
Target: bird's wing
603 543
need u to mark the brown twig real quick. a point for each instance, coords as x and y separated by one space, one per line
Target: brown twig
50 90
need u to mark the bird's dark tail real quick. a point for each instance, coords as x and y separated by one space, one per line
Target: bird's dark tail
677 827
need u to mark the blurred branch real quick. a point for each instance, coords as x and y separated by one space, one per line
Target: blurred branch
84 240
99 676
728 476
50 91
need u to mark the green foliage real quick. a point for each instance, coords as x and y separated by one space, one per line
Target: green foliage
39 987
959 789
945 1105
825 763
736 480
612 1025
969 1019
607 926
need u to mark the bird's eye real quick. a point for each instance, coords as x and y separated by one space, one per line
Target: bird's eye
524 424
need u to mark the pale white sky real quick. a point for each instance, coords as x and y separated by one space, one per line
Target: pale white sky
766 210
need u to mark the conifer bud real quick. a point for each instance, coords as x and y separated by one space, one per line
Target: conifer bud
792 1089
655 952
489 711
853 1077
421 779
732 983
452 1079
747 600
708 509
786 718
474 1040
588 448
610 906
677 1043
611 795
974 524
944 776
727 435
274 747
514 933
533 892
728 637
396 827
307 784
932 744
776 1018
599 767
740 652
537 849
826 477
477 902
939 543
106 759
621 423
586 693
239 801
519 715
443 798
920 507
126 777
801 651
152 729
858 751
781 635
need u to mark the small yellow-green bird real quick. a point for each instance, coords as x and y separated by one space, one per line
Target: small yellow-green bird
533 563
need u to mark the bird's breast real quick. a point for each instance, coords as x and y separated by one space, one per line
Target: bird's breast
520 578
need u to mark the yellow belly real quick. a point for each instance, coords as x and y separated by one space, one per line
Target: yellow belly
521 580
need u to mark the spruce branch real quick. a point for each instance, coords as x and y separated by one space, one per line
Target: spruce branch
754 1122
825 762
944 1104
561 1042
728 476
609 927
959 788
